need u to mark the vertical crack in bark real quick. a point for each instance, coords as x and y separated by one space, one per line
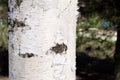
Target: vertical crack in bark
19 49
12 46
65 8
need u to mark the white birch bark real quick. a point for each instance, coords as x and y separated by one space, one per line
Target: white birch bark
42 39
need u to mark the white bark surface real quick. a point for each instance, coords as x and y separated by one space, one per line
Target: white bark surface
42 39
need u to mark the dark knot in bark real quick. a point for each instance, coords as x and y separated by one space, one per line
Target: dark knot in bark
59 48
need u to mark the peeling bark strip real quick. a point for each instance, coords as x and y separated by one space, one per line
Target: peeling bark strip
59 48
27 55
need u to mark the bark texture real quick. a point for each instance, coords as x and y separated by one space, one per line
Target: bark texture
42 39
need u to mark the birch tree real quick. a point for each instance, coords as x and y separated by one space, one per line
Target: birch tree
42 39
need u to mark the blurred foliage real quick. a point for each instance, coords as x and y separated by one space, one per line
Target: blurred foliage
107 9
102 16
3 10
3 25
3 36
95 47
93 21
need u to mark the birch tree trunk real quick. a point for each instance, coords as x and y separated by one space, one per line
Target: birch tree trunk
42 39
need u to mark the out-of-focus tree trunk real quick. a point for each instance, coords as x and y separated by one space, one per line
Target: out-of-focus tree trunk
42 39
117 57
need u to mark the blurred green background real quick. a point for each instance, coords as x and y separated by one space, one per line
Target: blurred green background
96 30
97 25
3 38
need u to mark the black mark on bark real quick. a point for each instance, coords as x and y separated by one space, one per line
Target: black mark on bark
10 24
59 48
11 30
19 23
18 2
27 55
12 46
16 23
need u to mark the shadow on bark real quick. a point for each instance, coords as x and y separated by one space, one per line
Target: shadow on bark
93 68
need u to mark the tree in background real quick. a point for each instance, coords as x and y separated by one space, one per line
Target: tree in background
42 39
107 10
